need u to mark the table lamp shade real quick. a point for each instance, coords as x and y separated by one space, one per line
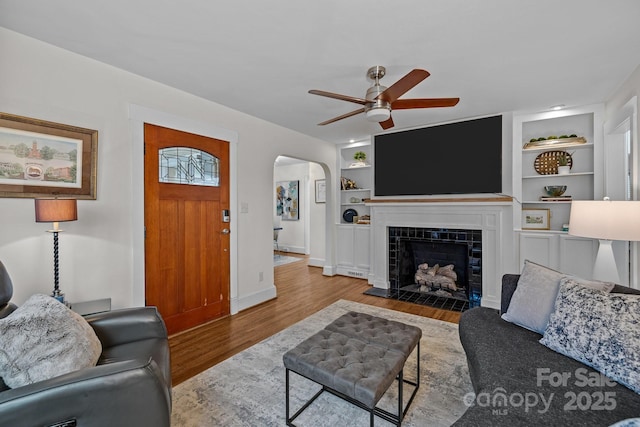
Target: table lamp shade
56 210
605 219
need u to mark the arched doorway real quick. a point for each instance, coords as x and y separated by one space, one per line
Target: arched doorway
304 231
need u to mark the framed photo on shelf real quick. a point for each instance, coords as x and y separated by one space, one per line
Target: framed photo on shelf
535 219
321 190
46 159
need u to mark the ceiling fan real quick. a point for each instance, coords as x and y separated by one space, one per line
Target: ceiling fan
380 100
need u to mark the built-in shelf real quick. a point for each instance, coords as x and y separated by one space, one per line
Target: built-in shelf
361 175
556 176
543 232
554 247
350 168
353 239
559 146
580 182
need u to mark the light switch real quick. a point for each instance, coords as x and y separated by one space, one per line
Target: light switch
244 207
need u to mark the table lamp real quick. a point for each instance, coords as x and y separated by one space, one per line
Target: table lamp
605 220
56 211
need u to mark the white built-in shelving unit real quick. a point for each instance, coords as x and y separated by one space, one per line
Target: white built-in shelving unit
554 247
353 239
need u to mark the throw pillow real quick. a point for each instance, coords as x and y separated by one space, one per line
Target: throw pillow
629 422
593 284
43 339
533 300
598 329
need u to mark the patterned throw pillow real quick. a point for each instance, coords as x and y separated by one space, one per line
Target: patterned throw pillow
43 339
599 329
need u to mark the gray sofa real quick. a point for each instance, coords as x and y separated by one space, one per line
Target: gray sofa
130 386
509 367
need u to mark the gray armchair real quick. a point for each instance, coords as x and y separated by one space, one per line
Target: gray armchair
130 385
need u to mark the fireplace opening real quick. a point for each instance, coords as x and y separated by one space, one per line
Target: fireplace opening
434 268
457 252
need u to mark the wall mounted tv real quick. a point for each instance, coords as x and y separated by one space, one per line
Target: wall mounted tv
454 158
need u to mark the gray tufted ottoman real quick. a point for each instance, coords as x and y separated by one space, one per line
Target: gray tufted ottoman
357 357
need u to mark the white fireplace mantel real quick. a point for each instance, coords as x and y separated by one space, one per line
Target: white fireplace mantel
494 218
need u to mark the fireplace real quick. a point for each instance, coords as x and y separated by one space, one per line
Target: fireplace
487 223
439 267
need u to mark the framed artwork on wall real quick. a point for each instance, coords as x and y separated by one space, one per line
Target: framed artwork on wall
321 190
40 159
535 219
288 200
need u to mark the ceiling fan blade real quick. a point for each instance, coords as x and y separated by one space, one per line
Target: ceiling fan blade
338 96
405 104
344 116
387 124
403 85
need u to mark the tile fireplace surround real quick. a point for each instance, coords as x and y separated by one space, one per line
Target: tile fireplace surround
493 217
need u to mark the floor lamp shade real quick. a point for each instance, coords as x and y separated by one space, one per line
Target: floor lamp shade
606 220
55 211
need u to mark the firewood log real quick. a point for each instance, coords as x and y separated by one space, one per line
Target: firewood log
448 271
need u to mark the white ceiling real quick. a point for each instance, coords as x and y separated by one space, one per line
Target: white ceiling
261 57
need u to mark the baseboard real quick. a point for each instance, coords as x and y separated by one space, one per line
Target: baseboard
316 262
257 298
329 270
284 248
234 306
490 302
352 272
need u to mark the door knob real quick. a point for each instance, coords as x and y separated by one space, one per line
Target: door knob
225 231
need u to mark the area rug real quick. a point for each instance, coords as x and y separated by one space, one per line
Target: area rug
248 389
284 259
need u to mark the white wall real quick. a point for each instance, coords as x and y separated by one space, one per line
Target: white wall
629 89
98 257
613 109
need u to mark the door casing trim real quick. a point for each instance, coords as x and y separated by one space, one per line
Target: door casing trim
138 116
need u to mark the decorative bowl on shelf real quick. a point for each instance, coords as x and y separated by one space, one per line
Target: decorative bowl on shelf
555 190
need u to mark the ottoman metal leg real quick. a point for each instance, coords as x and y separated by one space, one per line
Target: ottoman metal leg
305 406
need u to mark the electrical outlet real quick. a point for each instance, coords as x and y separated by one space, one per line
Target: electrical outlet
260 276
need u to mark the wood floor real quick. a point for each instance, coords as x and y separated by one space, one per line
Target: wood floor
302 291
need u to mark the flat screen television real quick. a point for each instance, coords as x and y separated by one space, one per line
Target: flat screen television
455 158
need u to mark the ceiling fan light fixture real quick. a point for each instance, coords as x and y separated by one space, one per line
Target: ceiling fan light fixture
378 114
380 100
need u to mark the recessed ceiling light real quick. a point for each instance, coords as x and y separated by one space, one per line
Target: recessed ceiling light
557 107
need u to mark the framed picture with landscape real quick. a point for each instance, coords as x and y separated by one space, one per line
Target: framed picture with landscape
535 219
40 159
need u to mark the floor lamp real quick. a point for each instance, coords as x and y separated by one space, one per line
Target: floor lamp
605 220
56 211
